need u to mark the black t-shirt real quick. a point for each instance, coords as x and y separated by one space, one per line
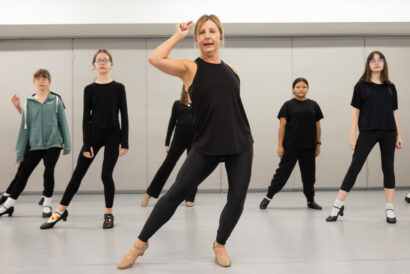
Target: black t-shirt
102 104
181 116
220 123
376 103
301 118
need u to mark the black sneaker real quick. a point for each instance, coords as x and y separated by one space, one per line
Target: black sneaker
407 199
108 221
314 205
264 203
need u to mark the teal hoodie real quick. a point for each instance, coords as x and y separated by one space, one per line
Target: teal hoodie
43 126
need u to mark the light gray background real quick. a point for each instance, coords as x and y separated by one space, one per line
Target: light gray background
267 67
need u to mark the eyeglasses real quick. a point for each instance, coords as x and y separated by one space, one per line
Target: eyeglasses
41 78
102 61
374 61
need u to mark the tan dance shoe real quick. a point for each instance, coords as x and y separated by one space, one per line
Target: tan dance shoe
145 200
128 260
189 204
221 256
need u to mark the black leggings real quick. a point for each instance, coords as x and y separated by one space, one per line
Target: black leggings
31 160
365 143
197 168
182 140
110 139
307 162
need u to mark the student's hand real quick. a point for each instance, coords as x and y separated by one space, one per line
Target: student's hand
17 163
253 156
281 151
15 101
399 143
317 152
90 154
352 143
122 151
166 149
183 29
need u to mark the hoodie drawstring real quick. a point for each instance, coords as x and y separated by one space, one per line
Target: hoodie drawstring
56 104
25 115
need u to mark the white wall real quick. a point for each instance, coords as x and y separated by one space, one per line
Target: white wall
266 67
130 18
230 11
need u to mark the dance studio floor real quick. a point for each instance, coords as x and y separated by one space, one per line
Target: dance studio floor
285 238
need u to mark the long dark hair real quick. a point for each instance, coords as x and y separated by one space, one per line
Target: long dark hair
384 75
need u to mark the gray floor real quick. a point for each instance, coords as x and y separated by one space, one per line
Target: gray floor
285 238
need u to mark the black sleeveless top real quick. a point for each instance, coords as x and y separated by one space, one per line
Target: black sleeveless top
220 123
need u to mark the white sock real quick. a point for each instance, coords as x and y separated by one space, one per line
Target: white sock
408 195
47 204
390 210
267 198
7 204
337 205
56 215
5 194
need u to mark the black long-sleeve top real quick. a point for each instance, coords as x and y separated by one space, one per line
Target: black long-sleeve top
102 103
181 116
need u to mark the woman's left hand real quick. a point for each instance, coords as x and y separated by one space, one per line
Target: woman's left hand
122 151
317 152
399 143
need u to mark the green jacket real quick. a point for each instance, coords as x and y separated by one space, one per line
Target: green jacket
43 126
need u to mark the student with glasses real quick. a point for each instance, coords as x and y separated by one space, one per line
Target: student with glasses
375 107
103 101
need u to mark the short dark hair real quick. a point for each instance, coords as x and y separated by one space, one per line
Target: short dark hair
300 79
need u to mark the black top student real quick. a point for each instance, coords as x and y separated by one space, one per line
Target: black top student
104 100
181 121
221 132
375 106
299 140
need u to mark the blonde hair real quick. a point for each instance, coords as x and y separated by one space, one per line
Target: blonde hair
205 18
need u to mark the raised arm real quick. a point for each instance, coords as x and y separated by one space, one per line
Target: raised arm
183 68
16 103
353 128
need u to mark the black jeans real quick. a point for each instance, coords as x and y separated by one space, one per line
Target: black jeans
365 143
307 164
197 168
110 139
182 140
31 160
